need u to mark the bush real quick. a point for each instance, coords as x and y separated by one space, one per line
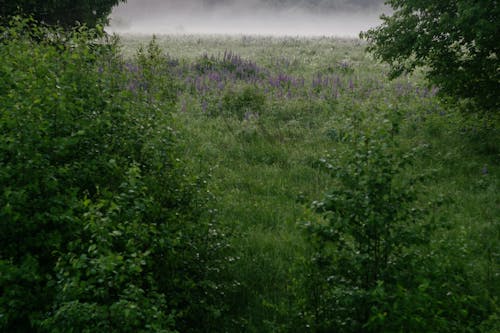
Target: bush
244 103
102 228
371 224
373 267
152 74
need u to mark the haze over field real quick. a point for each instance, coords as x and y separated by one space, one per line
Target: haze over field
343 18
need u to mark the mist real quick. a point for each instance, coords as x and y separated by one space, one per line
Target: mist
340 18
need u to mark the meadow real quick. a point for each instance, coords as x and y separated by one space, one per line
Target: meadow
261 116
238 184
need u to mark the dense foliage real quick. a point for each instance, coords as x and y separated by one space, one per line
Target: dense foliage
457 40
102 228
64 13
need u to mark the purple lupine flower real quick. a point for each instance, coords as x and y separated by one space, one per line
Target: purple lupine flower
326 81
171 62
221 85
335 92
399 89
131 67
132 86
351 85
272 82
314 82
424 92
434 91
214 76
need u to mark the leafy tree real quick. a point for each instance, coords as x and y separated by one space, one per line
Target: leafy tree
64 13
456 39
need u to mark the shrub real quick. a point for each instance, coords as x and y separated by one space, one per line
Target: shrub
243 103
152 74
373 267
364 248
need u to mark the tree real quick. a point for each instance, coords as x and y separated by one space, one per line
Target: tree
65 13
456 39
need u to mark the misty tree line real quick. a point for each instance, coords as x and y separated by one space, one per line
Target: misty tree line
323 4
277 4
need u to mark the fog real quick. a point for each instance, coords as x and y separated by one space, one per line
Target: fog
342 18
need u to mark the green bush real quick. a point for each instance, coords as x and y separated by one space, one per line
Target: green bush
153 74
373 269
371 222
243 103
102 228
372 240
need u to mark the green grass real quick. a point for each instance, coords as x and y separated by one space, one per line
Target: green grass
264 171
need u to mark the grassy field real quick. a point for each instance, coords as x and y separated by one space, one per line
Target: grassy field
257 117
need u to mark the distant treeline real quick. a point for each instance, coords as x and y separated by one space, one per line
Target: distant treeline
139 5
333 4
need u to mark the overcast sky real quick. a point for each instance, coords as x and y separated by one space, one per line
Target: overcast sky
344 18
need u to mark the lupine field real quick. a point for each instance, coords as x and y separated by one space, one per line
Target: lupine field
238 184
